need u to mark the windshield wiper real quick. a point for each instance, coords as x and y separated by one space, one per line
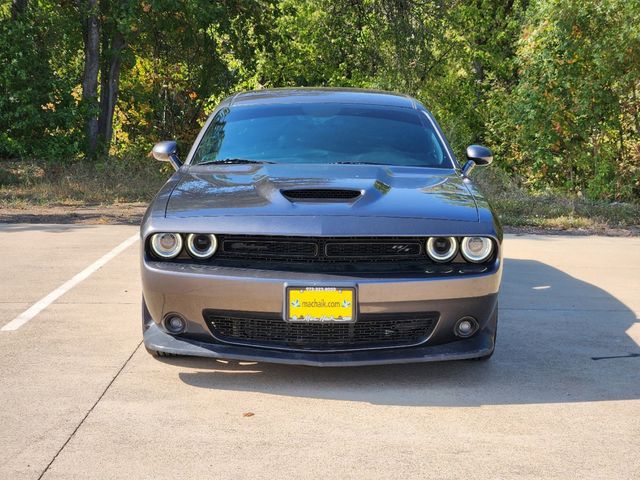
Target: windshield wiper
229 161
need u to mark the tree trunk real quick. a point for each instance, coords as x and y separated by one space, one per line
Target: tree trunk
109 82
91 36
636 109
478 70
18 8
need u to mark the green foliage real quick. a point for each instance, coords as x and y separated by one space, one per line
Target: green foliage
571 121
551 85
444 53
183 58
38 116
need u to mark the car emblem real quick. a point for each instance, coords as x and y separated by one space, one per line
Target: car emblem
248 246
401 248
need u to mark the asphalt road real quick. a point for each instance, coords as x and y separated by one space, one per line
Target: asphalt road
81 398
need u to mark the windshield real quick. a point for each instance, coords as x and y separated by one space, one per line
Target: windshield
322 133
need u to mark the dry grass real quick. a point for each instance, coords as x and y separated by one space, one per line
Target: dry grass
25 184
29 185
520 208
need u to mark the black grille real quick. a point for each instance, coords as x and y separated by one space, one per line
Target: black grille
321 194
370 331
265 248
321 249
373 249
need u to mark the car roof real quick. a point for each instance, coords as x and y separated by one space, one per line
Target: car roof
322 95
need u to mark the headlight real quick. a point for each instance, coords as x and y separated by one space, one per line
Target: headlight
201 246
166 245
476 249
442 249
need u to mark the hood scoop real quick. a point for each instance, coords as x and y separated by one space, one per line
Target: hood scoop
321 195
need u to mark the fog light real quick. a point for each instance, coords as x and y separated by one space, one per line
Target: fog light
175 324
465 327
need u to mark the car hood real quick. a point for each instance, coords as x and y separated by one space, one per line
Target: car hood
385 191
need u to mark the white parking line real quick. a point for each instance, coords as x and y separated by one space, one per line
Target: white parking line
40 305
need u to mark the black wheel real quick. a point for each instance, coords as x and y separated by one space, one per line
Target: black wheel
486 357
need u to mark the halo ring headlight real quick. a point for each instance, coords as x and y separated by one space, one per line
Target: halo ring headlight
442 249
166 245
202 245
476 249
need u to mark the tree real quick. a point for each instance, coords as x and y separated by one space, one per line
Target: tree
573 117
18 8
91 35
113 43
551 85
37 109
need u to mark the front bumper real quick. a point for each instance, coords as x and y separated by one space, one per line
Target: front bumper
479 345
190 289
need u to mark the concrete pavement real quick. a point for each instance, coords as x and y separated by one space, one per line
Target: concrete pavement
80 398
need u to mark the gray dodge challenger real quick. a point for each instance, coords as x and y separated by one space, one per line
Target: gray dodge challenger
322 227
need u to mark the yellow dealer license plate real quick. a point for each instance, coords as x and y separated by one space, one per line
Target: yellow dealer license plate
320 304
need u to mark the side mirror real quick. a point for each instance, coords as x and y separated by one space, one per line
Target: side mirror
167 152
477 155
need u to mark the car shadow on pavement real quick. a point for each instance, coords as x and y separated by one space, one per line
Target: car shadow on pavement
560 340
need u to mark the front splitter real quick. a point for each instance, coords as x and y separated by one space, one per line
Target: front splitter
479 345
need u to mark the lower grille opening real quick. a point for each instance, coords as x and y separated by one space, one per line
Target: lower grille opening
368 332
